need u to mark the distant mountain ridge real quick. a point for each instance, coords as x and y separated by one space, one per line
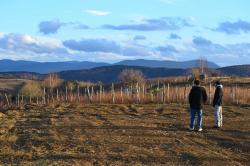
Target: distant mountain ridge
46 67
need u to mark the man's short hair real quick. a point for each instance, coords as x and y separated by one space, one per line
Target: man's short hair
197 82
218 82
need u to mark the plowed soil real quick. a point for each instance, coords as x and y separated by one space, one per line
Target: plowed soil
120 135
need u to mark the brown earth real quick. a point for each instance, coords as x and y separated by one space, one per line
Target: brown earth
122 135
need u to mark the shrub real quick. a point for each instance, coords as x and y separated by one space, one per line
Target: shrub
32 89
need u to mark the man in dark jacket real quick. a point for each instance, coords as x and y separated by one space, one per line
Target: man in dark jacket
197 98
217 104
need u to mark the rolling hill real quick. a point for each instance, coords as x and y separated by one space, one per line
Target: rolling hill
109 74
239 70
105 74
165 64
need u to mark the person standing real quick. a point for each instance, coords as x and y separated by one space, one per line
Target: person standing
197 98
217 104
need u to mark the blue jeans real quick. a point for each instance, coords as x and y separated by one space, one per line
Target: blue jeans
192 118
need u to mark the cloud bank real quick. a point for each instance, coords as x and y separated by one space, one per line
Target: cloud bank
20 46
233 27
164 23
53 26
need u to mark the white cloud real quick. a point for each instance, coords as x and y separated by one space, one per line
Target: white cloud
27 39
97 12
1 34
18 46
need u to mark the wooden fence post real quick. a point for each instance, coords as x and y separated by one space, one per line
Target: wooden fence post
127 92
57 95
137 93
168 93
210 93
92 92
7 99
176 93
131 91
66 93
143 92
18 101
85 92
71 94
163 94
121 94
232 94
44 95
22 100
78 93
88 94
103 92
100 94
185 94
157 91
236 94
113 93
52 95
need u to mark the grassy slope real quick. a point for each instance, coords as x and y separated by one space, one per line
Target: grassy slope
11 85
113 135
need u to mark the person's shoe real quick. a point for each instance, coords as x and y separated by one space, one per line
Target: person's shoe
200 129
191 129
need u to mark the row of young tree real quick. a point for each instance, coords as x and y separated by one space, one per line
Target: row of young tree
133 88
53 83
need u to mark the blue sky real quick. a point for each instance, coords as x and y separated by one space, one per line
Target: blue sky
114 30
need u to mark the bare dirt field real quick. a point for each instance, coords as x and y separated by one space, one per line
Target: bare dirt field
119 135
11 85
